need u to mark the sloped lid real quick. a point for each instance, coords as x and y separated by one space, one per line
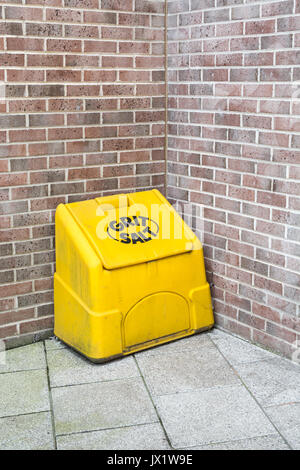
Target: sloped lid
131 229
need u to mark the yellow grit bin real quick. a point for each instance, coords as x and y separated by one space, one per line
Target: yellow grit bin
129 275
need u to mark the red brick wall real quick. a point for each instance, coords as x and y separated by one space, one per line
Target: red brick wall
82 103
82 113
233 140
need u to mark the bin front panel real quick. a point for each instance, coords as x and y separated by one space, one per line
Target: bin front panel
154 317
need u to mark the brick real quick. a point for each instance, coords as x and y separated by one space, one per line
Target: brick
23 44
45 120
260 27
259 58
274 139
245 12
8 331
45 90
28 164
46 148
11 121
63 76
21 13
251 293
279 8
282 75
217 15
45 30
63 15
291 23
36 325
229 29
281 332
126 5
271 199
84 173
13 180
282 41
16 316
82 31
11 29
69 188
65 133
255 266
244 44
11 207
78 4
98 46
255 239
28 192
15 234
257 182
134 47
251 320
38 177
27 106
116 33
236 301
14 60
64 45
82 146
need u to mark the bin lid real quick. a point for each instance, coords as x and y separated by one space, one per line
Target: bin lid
131 229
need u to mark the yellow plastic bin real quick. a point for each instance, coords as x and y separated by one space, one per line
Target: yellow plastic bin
129 275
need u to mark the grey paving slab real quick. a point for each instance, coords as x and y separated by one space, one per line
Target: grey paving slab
211 415
191 343
273 381
187 369
54 343
27 432
24 358
66 367
287 420
201 400
23 392
144 437
238 351
102 405
274 442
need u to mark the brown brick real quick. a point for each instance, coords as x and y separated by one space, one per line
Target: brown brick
10 121
23 44
15 60
23 13
63 15
42 29
126 5
8 331
100 17
16 316
86 31
63 76
36 325
64 45
11 29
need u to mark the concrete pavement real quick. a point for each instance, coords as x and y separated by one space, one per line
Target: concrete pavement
210 391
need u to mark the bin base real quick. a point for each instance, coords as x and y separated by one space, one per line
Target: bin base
102 337
150 344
